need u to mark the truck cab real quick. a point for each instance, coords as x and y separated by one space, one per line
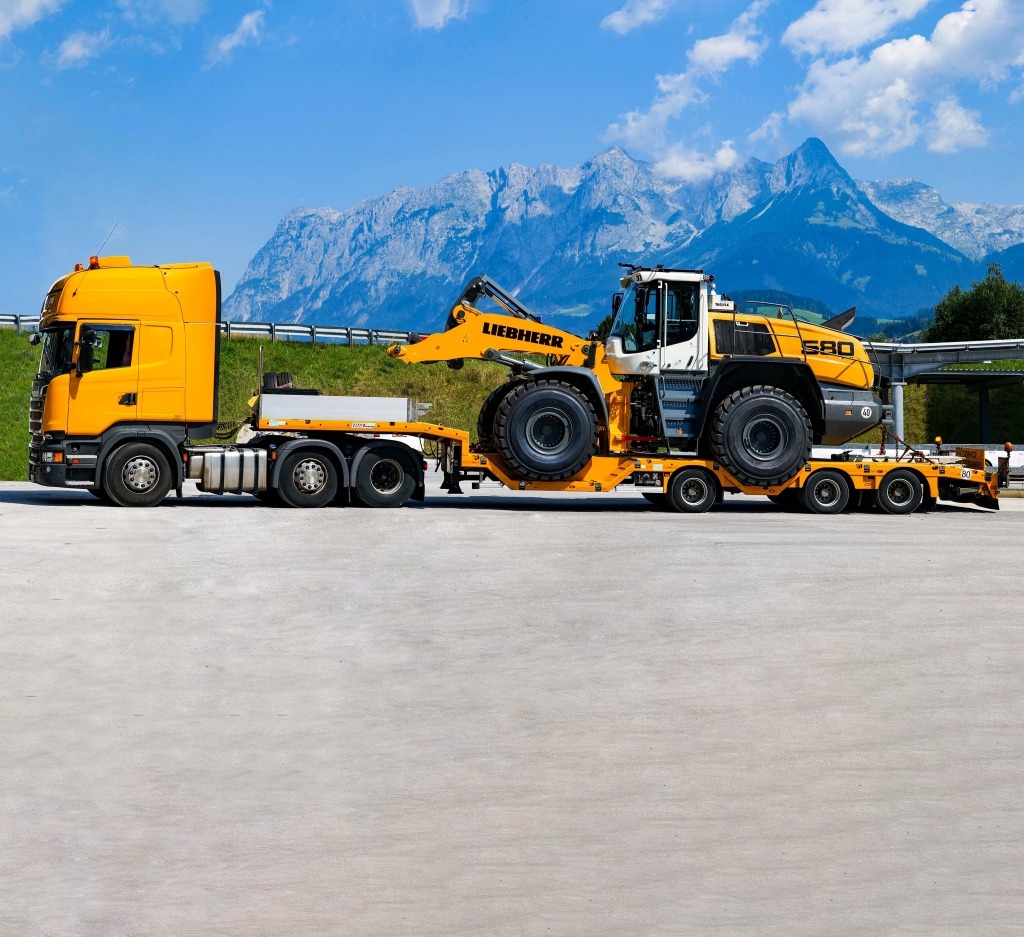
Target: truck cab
127 352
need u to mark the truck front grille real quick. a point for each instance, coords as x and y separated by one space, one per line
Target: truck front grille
35 410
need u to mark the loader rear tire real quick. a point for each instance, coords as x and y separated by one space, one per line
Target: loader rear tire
488 411
761 434
545 430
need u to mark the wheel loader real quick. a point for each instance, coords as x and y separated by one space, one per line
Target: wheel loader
684 373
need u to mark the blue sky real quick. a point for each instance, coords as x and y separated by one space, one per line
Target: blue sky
196 125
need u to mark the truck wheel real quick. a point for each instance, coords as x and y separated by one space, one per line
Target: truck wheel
136 475
899 492
826 492
761 434
692 491
384 478
488 411
546 430
308 479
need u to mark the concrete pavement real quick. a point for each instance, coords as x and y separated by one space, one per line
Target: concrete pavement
508 715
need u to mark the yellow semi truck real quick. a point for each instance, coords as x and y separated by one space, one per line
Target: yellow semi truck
688 399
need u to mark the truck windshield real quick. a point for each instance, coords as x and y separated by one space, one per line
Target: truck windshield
56 357
636 321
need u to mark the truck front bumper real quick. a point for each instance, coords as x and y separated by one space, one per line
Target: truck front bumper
50 465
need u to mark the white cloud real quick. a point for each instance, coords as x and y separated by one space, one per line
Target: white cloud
874 105
250 29
954 128
846 25
80 47
770 129
707 60
20 14
689 165
436 14
636 13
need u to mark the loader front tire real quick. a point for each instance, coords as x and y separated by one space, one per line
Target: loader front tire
761 434
488 411
545 430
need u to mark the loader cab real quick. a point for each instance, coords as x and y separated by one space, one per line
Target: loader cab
660 323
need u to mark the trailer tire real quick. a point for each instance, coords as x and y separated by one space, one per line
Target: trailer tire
384 478
545 430
136 475
900 492
692 491
761 434
826 492
308 479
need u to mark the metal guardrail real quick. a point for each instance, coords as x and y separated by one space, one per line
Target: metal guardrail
273 330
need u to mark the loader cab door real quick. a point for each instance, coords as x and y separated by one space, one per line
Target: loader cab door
684 340
104 378
634 342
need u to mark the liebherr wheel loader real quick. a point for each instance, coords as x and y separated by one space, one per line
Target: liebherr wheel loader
684 372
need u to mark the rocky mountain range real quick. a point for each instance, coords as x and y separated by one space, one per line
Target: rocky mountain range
553 236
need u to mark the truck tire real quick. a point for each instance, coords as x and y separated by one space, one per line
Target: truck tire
899 492
545 430
692 491
308 479
488 411
384 478
826 492
137 475
761 434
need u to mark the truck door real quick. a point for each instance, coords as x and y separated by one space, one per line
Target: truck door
105 380
683 339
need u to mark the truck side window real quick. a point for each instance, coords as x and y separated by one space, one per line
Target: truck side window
682 312
112 344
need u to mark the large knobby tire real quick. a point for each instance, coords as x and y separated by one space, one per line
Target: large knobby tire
899 492
137 475
385 477
545 430
761 434
488 411
308 479
826 492
692 491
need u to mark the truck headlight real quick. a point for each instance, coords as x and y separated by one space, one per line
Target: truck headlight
47 456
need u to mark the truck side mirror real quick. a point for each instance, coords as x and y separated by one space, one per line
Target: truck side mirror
616 302
86 353
35 338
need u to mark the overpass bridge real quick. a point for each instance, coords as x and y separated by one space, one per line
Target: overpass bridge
924 362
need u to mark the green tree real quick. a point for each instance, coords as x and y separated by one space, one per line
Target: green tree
991 308
604 328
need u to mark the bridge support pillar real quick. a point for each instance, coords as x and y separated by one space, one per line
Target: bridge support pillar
897 405
983 413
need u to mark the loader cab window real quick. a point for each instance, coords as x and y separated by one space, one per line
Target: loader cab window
682 312
636 322
112 345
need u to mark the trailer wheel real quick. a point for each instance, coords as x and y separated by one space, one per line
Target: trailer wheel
900 492
761 434
308 479
546 430
692 491
137 475
826 492
384 478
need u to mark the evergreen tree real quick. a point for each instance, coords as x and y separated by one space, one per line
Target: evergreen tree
992 308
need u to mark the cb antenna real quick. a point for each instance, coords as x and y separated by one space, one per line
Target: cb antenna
107 238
